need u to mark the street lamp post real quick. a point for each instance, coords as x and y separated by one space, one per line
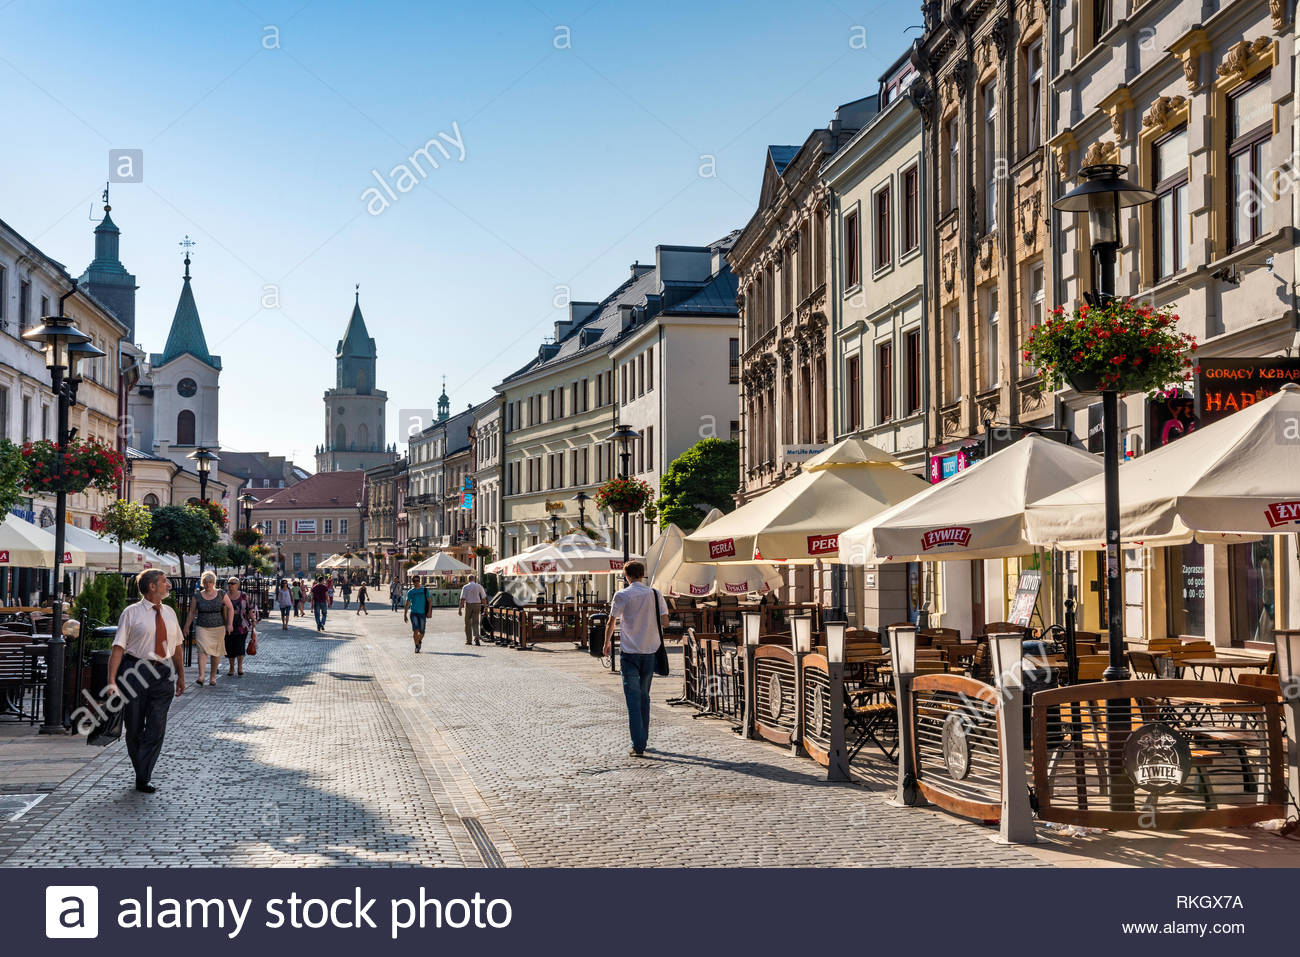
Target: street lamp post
482 541
58 334
247 501
582 498
555 525
623 435
1102 195
203 459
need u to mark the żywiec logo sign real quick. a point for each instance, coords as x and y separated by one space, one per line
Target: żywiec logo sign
726 548
823 544
1283 513
945 537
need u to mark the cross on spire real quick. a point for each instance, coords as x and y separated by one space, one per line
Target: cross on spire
186 244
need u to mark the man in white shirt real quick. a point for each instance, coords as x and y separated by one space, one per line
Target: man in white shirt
147 657
472 600
640 613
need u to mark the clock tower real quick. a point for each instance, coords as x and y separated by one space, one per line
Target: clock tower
354 408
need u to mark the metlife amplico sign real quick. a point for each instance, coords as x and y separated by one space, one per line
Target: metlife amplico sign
798 454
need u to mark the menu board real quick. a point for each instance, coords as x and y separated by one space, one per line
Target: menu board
1026 597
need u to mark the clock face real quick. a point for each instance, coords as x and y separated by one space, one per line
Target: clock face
187 387
339 410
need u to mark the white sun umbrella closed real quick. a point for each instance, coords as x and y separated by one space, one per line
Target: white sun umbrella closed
978 513
101 552
1236 477
331 562
25 545
673 576
440 563
799 521
571 555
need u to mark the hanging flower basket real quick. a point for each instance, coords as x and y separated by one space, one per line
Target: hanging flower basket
85 463
1120 346
483 551
623 495
216 512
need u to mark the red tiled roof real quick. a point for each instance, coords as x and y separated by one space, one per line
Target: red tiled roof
322 490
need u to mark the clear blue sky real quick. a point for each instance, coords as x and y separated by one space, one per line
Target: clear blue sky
261 122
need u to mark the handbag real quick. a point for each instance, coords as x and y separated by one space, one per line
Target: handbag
661 656
106 730
252 644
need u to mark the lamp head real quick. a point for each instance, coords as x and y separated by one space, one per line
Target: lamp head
56 333
623 434
752 624
77 353
836 632
801 633
902 639
203 459
1103 193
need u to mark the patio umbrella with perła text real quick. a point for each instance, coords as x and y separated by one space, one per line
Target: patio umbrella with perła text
1239 476
978 513
675 577
801 519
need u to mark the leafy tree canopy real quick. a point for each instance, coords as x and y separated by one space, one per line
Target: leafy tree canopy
182 530
704 477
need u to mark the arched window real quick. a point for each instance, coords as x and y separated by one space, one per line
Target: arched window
361 380
151 501
340 437
363 438
185 428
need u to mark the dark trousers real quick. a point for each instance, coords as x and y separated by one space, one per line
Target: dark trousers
148 688
638 672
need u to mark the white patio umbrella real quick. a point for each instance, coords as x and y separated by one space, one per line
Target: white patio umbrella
440 563
978 513
24 545
101 552
1236 477
800 520
673 576
571 555
331 562
164 563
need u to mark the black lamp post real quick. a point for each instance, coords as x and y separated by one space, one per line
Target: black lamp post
58 334
482 541
1102 195
623 435
582 498
203 459
247 501
555 525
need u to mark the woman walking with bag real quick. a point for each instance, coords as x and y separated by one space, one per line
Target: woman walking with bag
241 627
284 598
210 614
296 591
361 599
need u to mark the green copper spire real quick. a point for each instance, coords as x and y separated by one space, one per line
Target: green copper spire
444 403
187 331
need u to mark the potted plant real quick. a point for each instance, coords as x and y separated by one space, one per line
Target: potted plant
623 495
1119 346
83 464
483 551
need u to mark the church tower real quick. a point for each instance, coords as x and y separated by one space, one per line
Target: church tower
354 408
106 278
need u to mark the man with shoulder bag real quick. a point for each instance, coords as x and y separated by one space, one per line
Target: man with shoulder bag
640 613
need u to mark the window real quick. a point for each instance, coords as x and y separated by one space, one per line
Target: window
851 275
1035 307
343 526
1250 124
882 238
733 361
622 384
45 307
640 374
884 381
650 369
4 294
910 225
45 421
24 304
787 285
991 343
650 448
283 528
991 171
853 393
328 527
185 428
912 356
954 354
151 501
1101 21
735 430
1169 173
27 418
954 157
1033 95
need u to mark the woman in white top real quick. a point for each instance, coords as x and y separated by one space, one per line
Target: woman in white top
212 611
284 598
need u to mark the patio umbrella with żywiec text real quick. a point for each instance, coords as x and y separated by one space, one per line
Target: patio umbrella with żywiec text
978 513
675 577
800 520
1239 476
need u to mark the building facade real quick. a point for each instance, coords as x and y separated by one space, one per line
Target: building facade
316 518
876 276
382 505
485 441
356 406
1201 108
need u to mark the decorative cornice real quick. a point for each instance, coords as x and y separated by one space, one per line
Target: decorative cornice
1277 9
1061 145
1116 104
1102 151
1165 112
1188 48
1241 56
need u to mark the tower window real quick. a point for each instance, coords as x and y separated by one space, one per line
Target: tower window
185 428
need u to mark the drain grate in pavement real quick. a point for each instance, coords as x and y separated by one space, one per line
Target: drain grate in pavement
486 849
14 806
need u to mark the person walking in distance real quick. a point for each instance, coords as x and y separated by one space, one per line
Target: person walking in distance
347 592
210 617
284 598
147 658
243 624
320 596
640 613
395 593
330 593
472 599
417 603
296 591
362 594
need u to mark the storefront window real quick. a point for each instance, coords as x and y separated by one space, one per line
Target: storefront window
915 594
1251 570
1185 575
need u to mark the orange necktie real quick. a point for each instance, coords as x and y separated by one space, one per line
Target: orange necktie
159 633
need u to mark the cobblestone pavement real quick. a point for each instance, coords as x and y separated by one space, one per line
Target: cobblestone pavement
348 749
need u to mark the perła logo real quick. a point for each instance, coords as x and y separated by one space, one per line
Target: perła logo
822 544
944 537
722 549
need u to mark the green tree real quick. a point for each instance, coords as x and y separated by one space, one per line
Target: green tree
180 530
114 596
237 556
127 522
12 469
248 537
704 477
91 600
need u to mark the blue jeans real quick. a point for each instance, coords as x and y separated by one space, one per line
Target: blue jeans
319 608
638 672
417 622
